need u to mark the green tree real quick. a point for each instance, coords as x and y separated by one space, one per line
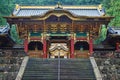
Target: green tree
6 8
113 9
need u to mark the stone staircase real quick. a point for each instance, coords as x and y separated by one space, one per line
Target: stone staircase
55 69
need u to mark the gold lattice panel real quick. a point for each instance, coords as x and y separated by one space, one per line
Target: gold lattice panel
62 27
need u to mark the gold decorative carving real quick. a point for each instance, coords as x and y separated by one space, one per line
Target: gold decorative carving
54 27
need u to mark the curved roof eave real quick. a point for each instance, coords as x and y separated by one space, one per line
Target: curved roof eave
57 12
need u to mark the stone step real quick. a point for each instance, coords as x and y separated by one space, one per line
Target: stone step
47 69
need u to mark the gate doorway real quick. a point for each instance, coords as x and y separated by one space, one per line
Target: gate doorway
35 49
58 50
81 49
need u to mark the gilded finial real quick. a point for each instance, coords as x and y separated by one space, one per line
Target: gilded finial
100 6
59 5
17 7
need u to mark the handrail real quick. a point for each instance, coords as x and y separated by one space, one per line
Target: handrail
22 68
95 68
59 65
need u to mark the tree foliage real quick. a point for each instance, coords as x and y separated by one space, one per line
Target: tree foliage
6 7
113 9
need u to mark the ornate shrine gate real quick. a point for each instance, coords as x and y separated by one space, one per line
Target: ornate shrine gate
48 31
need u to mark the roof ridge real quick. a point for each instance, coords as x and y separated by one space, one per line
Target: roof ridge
76 10
64 6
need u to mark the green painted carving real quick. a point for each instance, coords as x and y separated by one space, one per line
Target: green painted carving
81 34
35 34
102 35
14 35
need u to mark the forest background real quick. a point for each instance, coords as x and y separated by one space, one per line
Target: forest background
111 7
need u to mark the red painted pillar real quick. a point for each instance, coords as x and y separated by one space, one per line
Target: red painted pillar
117 46
44 49
26 45
72 49
90 46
